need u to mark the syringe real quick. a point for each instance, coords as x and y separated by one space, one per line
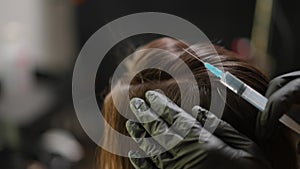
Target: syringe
246 92
249 94
236 85
239 87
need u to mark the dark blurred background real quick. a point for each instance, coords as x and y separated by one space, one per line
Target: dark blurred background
41 39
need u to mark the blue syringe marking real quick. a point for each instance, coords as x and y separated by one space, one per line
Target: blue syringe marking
213 69
217 72
236 85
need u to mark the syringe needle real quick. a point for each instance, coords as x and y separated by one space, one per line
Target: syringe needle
217 72
193 55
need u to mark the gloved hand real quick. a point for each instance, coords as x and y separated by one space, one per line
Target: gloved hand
283 92
226 149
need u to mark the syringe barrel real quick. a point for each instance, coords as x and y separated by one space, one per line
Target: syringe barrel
243 90
255 98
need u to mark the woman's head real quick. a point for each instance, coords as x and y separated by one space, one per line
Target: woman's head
237 112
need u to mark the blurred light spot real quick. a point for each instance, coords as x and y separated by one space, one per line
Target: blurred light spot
36 165
61 142
242 47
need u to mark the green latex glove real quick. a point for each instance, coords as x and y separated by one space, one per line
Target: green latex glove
283 92
226 149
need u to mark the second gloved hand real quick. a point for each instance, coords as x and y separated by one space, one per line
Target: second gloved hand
283 92
185 144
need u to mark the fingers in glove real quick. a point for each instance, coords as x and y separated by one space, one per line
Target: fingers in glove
157 153
154 125
139 161
237 145
283 98
280 81
140 136
282 92
279 103
179 120
225 131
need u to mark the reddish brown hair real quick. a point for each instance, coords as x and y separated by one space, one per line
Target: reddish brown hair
237 112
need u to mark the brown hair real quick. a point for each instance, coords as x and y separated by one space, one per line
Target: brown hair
237 112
